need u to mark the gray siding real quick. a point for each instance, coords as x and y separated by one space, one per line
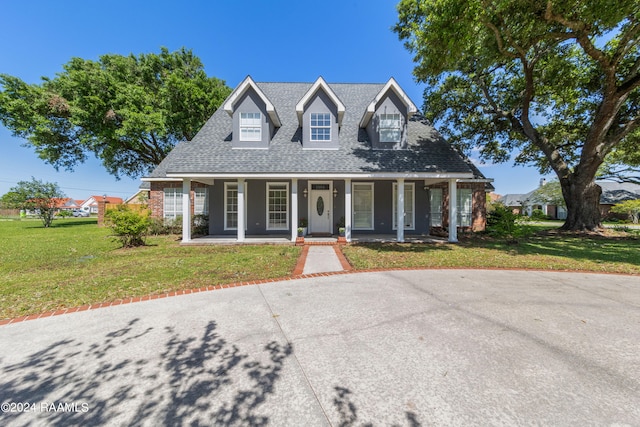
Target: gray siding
251 103
320 103
257 207
390 104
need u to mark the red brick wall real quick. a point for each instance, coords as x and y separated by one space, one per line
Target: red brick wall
478 204
156 195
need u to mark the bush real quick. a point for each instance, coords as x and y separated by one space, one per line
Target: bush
538 215
502 222
128 227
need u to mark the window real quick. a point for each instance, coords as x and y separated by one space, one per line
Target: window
231 205
464 207
389 127
200 201
320 127
277 206
362 202
435 201
409 212
172 202
250 127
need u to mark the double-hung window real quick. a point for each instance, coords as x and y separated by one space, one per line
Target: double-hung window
390 128
320 127
362 202
250 127
464 207
172 202
277 206
409 211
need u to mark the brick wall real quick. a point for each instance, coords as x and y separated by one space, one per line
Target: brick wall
156 195
478 204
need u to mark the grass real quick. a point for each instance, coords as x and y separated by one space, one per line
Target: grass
615 252
75 263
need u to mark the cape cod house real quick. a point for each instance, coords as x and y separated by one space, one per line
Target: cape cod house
358 156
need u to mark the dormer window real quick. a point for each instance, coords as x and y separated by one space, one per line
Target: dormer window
390 128
250 127
320 127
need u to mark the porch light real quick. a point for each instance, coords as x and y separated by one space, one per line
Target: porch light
335 192
305 192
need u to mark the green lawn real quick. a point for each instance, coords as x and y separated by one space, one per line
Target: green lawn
75 262
615 253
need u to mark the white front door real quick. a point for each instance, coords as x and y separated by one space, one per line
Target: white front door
320 205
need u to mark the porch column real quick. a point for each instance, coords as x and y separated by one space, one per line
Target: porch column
347 210
241 224
453 211
294 209
186 210
400 205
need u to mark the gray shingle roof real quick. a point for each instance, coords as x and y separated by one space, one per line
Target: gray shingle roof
211 151
612 193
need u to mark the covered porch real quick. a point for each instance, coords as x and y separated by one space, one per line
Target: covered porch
309 240
393 207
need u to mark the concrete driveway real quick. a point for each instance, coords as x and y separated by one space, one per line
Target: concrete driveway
406 348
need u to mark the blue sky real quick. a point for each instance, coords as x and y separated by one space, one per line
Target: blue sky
271 40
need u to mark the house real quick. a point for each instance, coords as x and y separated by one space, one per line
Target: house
612 193
91 204
357 156
142 195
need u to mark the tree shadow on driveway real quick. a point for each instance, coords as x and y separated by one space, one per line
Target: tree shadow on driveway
195 380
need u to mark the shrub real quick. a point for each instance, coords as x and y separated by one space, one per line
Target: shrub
629 207
128 227
502 222
538 215
200 225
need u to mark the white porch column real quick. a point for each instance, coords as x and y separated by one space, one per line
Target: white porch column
453 211
400 205
241 224
186 210
347 210
294 209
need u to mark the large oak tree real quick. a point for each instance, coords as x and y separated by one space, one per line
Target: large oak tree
129 111
553 84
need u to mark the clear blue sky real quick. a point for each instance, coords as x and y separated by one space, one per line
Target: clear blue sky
271 40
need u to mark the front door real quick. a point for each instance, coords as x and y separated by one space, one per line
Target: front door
320 216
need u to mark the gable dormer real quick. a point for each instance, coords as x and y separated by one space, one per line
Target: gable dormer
254 117
320 114
386 117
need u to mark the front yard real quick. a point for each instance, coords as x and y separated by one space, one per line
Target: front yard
75 262
616 252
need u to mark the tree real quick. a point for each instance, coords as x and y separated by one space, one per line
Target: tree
553 84
42 197
129 111
549 194
628 207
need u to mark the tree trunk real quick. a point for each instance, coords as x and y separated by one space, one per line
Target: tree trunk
582 197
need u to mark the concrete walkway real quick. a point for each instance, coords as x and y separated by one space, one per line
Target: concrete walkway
322 259
405 348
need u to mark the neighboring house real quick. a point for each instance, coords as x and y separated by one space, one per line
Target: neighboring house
142 195
612 193
66 204
334 154
91 204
